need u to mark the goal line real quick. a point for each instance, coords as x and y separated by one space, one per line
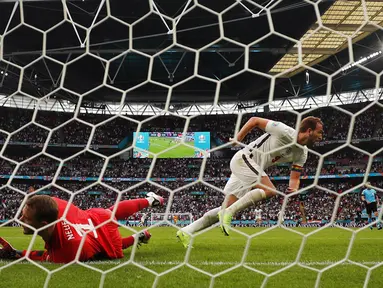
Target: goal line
212 263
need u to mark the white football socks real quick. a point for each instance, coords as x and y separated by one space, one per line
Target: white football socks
208 219
248 200
211 217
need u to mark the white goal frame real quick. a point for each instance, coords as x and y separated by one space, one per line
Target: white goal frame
167 110
169 217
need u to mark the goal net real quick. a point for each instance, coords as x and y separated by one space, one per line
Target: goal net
105 101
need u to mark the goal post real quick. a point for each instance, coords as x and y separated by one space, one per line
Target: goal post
53 76
178 219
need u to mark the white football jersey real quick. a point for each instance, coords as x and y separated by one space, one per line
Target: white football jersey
143 218
258 213
277 135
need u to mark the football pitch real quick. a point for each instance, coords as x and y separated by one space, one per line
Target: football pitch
215 253
158 144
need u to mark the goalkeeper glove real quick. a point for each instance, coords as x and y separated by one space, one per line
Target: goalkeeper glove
7 251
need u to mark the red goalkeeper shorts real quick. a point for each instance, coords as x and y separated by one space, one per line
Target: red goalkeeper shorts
109 236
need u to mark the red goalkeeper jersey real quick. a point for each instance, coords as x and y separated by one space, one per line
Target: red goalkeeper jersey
104 242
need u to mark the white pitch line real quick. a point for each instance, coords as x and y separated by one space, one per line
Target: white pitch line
210 263
265 238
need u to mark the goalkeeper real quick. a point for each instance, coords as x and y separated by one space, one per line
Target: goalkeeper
62 240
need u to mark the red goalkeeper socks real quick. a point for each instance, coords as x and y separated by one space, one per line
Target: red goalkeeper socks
127 242
143 238
127 208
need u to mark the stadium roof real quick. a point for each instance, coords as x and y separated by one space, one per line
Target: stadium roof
110 42
187 109
345 17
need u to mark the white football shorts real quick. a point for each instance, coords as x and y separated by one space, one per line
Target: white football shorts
244 173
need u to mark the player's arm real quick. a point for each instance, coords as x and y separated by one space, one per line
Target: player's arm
296 170
7 251
295 176
10 253
253 122
377 200
36 255
363 198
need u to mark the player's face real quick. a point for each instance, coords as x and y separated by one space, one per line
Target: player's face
28 218
315 135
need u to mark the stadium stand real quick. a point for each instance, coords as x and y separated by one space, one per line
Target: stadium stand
172 173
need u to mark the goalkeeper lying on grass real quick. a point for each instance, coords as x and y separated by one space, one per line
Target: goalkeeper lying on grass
62 240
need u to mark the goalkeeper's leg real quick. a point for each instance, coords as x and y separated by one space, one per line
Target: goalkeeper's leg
143 238
127 208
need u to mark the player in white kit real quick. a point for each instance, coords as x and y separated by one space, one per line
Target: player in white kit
281 216
247 167
144 220
258 215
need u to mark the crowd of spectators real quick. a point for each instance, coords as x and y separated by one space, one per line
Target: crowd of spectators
111 130
195 199
168 168
199 198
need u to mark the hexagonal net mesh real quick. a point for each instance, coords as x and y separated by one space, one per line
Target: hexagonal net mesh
72 165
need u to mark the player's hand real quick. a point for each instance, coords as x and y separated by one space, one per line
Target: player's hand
290 190
6 250
368 202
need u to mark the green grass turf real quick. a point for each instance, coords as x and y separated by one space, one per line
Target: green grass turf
159 144
214 253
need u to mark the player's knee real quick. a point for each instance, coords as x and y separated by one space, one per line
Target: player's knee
268 192
209 214
231 200
212 215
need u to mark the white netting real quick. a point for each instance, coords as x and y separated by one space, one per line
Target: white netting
255 9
